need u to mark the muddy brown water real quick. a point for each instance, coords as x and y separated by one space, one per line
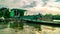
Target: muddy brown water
29 28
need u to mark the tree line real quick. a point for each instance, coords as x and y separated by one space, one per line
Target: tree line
5 13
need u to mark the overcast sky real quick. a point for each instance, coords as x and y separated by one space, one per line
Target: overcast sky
34 6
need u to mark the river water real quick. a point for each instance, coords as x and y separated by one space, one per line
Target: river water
29 28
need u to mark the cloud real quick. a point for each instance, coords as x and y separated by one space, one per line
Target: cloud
50 6
57 0
34 6
20 3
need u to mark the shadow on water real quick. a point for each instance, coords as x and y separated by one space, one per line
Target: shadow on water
11 24
18 25
36 26
3 25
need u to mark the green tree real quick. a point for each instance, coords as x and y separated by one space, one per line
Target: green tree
11 13
56 17
48 17
4 12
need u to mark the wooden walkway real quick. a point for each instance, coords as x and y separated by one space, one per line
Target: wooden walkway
50 23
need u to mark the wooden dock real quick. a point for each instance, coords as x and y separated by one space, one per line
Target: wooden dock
50 23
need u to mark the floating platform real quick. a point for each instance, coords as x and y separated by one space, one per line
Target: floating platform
50 23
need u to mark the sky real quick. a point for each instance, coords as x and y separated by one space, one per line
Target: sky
34 6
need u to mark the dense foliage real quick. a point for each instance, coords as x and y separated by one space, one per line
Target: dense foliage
4 12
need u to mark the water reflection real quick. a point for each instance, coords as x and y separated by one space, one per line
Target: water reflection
3 25
16 24
17 27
